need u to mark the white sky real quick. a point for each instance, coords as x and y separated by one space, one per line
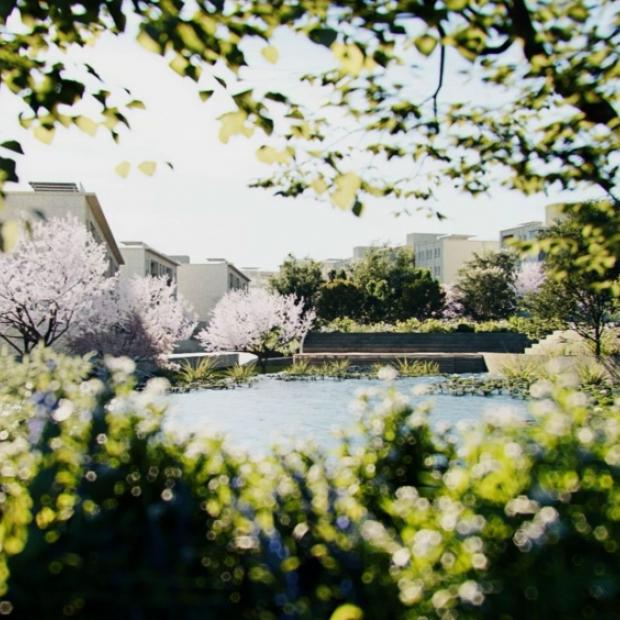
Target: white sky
204 208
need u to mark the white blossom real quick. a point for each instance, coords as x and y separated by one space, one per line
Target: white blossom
51 283
256 321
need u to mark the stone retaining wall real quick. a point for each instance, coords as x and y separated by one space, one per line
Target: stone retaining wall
457 342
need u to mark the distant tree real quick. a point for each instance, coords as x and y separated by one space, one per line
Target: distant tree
452 306
258 322
486 286
340 298
301 278
51 284
529 279
573 291
393 288
141 318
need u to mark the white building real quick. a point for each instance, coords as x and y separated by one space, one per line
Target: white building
142 260
444 255
204 284
528 231
259 278
49 200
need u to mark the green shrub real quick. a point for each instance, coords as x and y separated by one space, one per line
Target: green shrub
103 515
201 372
240 374
416 368
535 329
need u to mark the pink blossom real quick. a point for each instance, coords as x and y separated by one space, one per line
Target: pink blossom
530 278
140 318
256 321
50 283
453 308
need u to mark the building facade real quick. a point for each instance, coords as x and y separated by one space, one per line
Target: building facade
528 231
49 200
204 284
444 255
259 278
142 260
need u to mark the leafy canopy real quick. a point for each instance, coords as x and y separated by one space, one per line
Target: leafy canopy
548 71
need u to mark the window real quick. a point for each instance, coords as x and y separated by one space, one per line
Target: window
230 280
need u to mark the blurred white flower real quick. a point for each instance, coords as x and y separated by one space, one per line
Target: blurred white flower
387 373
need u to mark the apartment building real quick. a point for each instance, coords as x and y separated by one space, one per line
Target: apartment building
259 278
204 284
528 231
49 200
142 260
444 255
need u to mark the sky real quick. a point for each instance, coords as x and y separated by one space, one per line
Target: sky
204 207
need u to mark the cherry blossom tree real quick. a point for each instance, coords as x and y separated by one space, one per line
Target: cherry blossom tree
452 306
50 284
530 278
258 322
141 318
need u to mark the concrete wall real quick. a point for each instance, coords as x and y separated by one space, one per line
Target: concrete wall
203 285
339 342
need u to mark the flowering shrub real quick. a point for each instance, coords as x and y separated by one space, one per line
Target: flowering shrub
103 514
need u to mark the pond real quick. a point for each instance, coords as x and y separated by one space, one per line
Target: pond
275 411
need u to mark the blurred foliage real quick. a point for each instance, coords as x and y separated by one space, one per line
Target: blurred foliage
104 514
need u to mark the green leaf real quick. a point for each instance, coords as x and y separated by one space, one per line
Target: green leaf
87 125
123 169
351 58
220 81
205 95
136 104
425 44
269 155
179 65
148 43
7 170
323 36
12 145
347 186
233 123
11 232
148 168
347 612
270 54
44 134
279 97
